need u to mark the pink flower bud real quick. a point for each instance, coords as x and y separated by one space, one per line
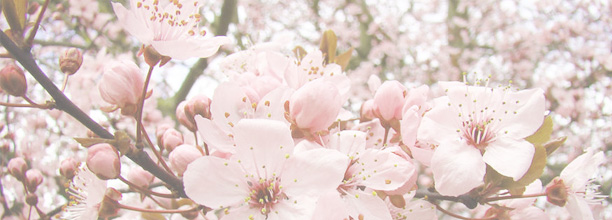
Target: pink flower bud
171 139
389 101
13 81
315 105
367 111
68 167
198 105
18 167
140 177
159 132
121 85
103 160
71 61
33 179
182 117
182 156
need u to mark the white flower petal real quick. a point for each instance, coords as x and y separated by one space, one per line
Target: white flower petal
215 182
509 157
457 168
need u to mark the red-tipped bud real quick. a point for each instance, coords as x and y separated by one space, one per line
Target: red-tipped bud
182 156
68 167
103 160
71 61
556 192
171 139
33 179
18 167
140 177
13 81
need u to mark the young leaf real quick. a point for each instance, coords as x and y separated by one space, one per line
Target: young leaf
328 45
542 135
344 58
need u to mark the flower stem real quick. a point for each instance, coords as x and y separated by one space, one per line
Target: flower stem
156 152
140 107
147 191
513 197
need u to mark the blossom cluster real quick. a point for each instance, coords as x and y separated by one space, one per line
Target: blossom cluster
286 132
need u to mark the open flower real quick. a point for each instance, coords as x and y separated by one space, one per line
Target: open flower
573 188
170 27
264 179
476 126
91 199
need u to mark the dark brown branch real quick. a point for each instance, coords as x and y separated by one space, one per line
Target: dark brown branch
63 103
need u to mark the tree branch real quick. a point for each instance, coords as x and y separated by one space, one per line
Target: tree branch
63 103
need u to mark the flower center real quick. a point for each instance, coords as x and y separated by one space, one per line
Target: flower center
171 14
477 134
265 194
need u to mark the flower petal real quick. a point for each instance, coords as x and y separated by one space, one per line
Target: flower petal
215 182
314 172
577 173
190 47
457 168
382 170
262 146
578 208
509 157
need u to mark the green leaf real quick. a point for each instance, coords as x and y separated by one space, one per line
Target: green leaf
553 145
152 216
344 58
15 14
328 45
542 135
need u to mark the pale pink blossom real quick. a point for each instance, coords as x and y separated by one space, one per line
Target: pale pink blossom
122 85
168 25
264 179
477 126
103 160
87 192
581 192
315 106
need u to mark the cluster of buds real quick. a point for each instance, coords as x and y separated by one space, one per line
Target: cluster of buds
31 178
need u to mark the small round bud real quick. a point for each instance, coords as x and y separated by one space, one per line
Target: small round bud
18 167
103 160
556 192
68 167
31 199
182 117
33 179
140 177
71 61
171 139
182 156
13 81
159 133
198 105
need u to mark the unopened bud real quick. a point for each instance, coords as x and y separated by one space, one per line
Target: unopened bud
13 81
198 105
171 139
159 132
109 207
140 177
31 199
182 156
182 117
18 167
71 61
33 179
103 160
367 111
68 167
556 192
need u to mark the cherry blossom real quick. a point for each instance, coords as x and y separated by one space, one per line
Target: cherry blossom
264 179
167 25
477 126
88 193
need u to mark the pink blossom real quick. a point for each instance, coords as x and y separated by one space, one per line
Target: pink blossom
122 85
168 25
87 192
389 101
477 126
103 160
264 179
315 106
